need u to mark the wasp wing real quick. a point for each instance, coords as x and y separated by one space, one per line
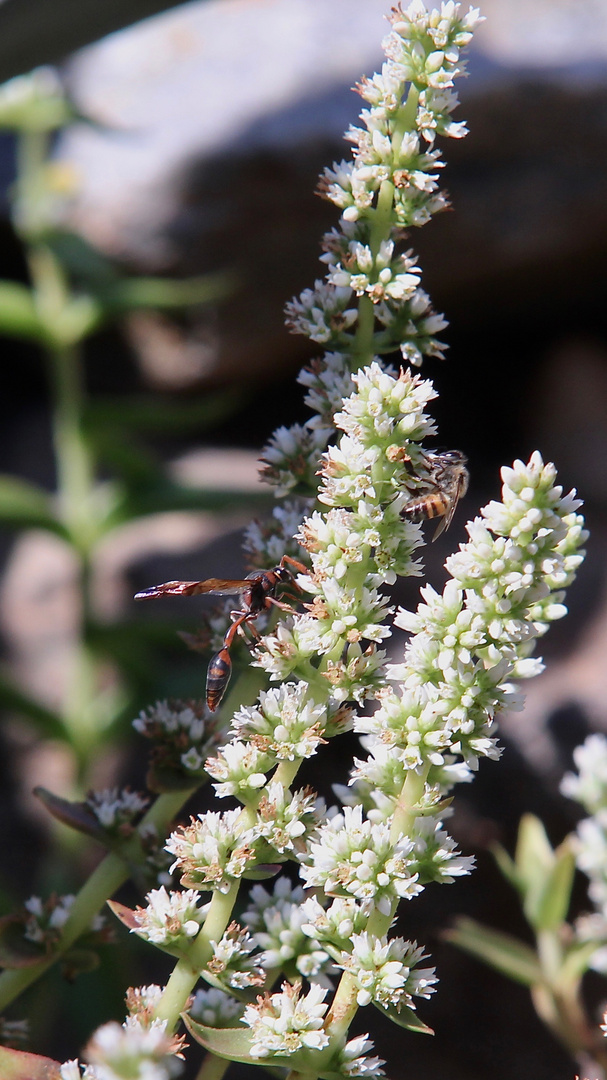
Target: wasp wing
216 586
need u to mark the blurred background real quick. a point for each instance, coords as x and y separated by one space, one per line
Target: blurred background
198 134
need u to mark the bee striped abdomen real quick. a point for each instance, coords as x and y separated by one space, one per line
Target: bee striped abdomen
428 506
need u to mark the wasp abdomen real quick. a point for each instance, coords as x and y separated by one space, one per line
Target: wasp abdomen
218 676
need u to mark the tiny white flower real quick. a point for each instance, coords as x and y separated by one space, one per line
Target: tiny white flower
286 1022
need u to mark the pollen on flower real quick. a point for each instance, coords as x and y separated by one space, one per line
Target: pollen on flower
169 918
213 850
286 1022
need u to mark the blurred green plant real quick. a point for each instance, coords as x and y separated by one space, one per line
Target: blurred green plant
73 291
553 969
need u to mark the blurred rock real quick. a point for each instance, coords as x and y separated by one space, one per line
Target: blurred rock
220 116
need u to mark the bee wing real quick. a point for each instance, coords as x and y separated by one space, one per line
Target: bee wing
217 586
461 489
444 522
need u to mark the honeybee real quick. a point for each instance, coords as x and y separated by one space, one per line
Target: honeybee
446 484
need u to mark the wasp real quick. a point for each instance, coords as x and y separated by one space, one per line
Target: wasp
257 594
447 483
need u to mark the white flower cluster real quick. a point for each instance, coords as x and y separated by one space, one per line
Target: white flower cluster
265 542
284 723
411 101
277 921
288 1021
214 1008
142 1001
361 542
232 963
328 382
390 183
183 734
589 787
45 919
240 769
213 850
387 972
351 1060
129 1051
290 459
353 857
467 644
471 639
170 919
116 809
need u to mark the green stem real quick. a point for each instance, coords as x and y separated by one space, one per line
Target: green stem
74 462
213 1068
109 875
103 882
380 229
75 470
559 1004
343 1008
407 805
29 203
186 972
344 1005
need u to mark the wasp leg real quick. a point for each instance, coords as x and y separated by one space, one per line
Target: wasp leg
280 604
295 563
253 630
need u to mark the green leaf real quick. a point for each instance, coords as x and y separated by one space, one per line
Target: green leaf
78 318
76 815
18 315
85 264
535 861
231 1043
33 103
49 723
506 865
234 1044
405 1018
148 414
124 913
79 961
133 294
24 504
577 960
547 908
501 951
17 1065
17 951
534 855
165 496
263 872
